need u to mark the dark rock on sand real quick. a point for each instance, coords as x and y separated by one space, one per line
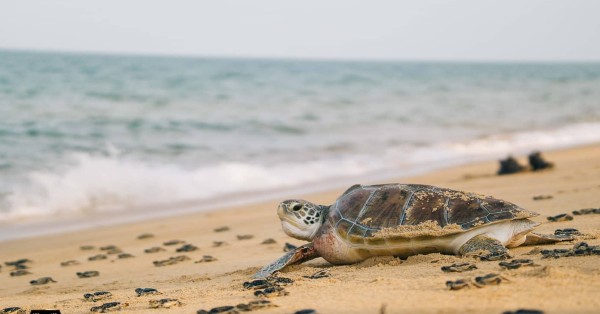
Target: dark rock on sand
537 162
510 166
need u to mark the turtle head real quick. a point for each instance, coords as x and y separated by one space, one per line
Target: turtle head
300 219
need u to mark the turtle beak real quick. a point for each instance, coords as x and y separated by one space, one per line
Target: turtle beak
281 212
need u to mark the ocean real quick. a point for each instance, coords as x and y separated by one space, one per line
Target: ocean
87 134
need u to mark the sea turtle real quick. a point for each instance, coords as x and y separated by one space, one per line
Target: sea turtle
173 242
402 220
206 259
516 263
146 291
171 261
489 280
154 249
88 274
20 272
13 310
110 247
457 284
459 267
145 236
20 261
109 307
97 296
42 281
164 303
187 248
254 305
69 263
272 291
97 257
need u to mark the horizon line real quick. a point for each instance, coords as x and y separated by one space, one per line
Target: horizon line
286 58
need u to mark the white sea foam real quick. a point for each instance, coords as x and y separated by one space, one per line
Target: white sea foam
101 183
571 135
94 183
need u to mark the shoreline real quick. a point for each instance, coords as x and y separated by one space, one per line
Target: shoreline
553 285
37 226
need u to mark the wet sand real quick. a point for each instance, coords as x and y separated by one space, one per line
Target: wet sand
384 284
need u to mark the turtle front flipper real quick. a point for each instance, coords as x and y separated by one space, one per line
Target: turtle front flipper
485 247
299 255
538 238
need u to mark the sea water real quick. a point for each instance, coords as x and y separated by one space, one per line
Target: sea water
104 133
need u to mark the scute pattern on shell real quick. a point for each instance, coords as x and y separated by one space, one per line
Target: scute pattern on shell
363 210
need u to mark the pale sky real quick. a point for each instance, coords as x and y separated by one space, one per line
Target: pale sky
475 30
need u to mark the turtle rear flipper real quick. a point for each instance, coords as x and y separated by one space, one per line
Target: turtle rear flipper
299 255
484 247
538 238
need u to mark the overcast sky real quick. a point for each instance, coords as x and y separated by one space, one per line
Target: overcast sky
335 29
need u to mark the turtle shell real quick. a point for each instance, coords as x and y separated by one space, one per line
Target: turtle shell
363 211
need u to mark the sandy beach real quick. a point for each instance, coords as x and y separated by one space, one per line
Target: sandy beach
377 285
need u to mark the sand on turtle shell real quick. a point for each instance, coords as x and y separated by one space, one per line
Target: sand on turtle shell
464 196
427 228
525 214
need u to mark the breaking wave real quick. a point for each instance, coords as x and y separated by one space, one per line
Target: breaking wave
93 183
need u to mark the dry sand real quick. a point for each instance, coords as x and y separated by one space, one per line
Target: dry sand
415 285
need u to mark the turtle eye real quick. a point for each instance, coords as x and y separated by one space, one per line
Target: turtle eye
297 207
